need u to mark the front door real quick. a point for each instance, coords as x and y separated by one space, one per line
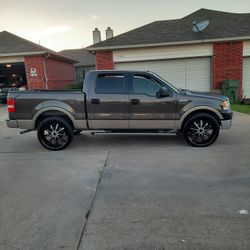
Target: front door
108 102
147 109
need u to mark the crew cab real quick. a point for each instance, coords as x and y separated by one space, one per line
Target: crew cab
119 102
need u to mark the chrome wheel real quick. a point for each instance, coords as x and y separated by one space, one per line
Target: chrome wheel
54 133
201 130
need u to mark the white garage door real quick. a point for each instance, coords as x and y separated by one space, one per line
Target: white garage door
193 74
246 77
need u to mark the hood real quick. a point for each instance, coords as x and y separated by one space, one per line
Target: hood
204 94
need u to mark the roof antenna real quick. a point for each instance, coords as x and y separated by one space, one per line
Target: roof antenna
200 26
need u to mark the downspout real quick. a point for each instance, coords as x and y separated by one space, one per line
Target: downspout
44 71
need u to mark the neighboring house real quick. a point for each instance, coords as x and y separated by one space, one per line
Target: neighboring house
30 63
173 50
85 62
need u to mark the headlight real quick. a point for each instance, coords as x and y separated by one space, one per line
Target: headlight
225 104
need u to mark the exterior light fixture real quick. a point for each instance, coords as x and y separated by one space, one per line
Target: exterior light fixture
8 65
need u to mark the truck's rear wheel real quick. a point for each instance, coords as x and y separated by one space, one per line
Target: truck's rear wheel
201 130
54 133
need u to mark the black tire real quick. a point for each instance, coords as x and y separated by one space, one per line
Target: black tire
54 133
77 132
201 130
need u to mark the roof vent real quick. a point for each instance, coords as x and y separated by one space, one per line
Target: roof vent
96 36
109 33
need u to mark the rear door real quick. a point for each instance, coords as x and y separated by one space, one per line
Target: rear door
147 111
108 102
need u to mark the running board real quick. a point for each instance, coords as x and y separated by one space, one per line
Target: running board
160 131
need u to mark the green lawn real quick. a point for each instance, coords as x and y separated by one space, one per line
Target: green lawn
243 108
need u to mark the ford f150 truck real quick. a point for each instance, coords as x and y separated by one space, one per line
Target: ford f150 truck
119 102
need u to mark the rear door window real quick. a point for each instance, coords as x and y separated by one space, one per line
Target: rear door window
109 84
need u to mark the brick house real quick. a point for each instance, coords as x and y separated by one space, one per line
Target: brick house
188 59
34 65
85 61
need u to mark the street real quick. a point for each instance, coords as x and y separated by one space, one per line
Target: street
125 191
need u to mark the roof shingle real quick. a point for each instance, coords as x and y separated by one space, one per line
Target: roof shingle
15 45
82 56
223 25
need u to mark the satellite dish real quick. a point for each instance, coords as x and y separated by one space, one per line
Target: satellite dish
200 26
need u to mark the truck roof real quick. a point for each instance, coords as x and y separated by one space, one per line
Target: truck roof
121 71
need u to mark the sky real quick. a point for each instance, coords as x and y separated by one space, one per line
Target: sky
64 24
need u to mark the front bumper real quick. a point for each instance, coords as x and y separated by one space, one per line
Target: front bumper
226 124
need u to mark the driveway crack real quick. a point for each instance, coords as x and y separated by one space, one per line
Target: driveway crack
88 213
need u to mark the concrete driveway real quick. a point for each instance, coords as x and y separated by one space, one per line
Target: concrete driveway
154 192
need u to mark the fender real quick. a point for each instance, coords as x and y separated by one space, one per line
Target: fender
53 108
179 122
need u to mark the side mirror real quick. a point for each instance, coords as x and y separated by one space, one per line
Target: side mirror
163 92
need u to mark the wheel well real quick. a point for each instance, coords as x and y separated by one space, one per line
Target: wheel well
201 111
47 114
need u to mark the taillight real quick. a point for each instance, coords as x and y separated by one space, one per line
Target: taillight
11 105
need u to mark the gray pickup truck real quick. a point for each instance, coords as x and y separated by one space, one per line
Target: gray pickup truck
119 102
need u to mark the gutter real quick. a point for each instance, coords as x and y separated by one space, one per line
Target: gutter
22 54
44 70
57 55
107 48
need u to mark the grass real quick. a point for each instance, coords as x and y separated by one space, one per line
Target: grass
242 108
75 86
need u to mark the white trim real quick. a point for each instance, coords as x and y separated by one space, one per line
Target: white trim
162 53
226 39
246 77
23 53
11 59
246 48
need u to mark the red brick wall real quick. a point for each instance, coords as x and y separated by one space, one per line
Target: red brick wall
35 82
227 63
104 60
59 74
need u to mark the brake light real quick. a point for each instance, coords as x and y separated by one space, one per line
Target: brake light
11 105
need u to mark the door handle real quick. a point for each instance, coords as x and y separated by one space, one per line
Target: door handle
135 101
95 101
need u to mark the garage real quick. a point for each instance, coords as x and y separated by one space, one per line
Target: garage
246 77
190 73
14 74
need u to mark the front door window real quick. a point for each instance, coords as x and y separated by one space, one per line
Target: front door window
145 86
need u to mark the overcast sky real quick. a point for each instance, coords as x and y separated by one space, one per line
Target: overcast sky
64 24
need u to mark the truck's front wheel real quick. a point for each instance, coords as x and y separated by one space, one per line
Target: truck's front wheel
201 130
54 133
